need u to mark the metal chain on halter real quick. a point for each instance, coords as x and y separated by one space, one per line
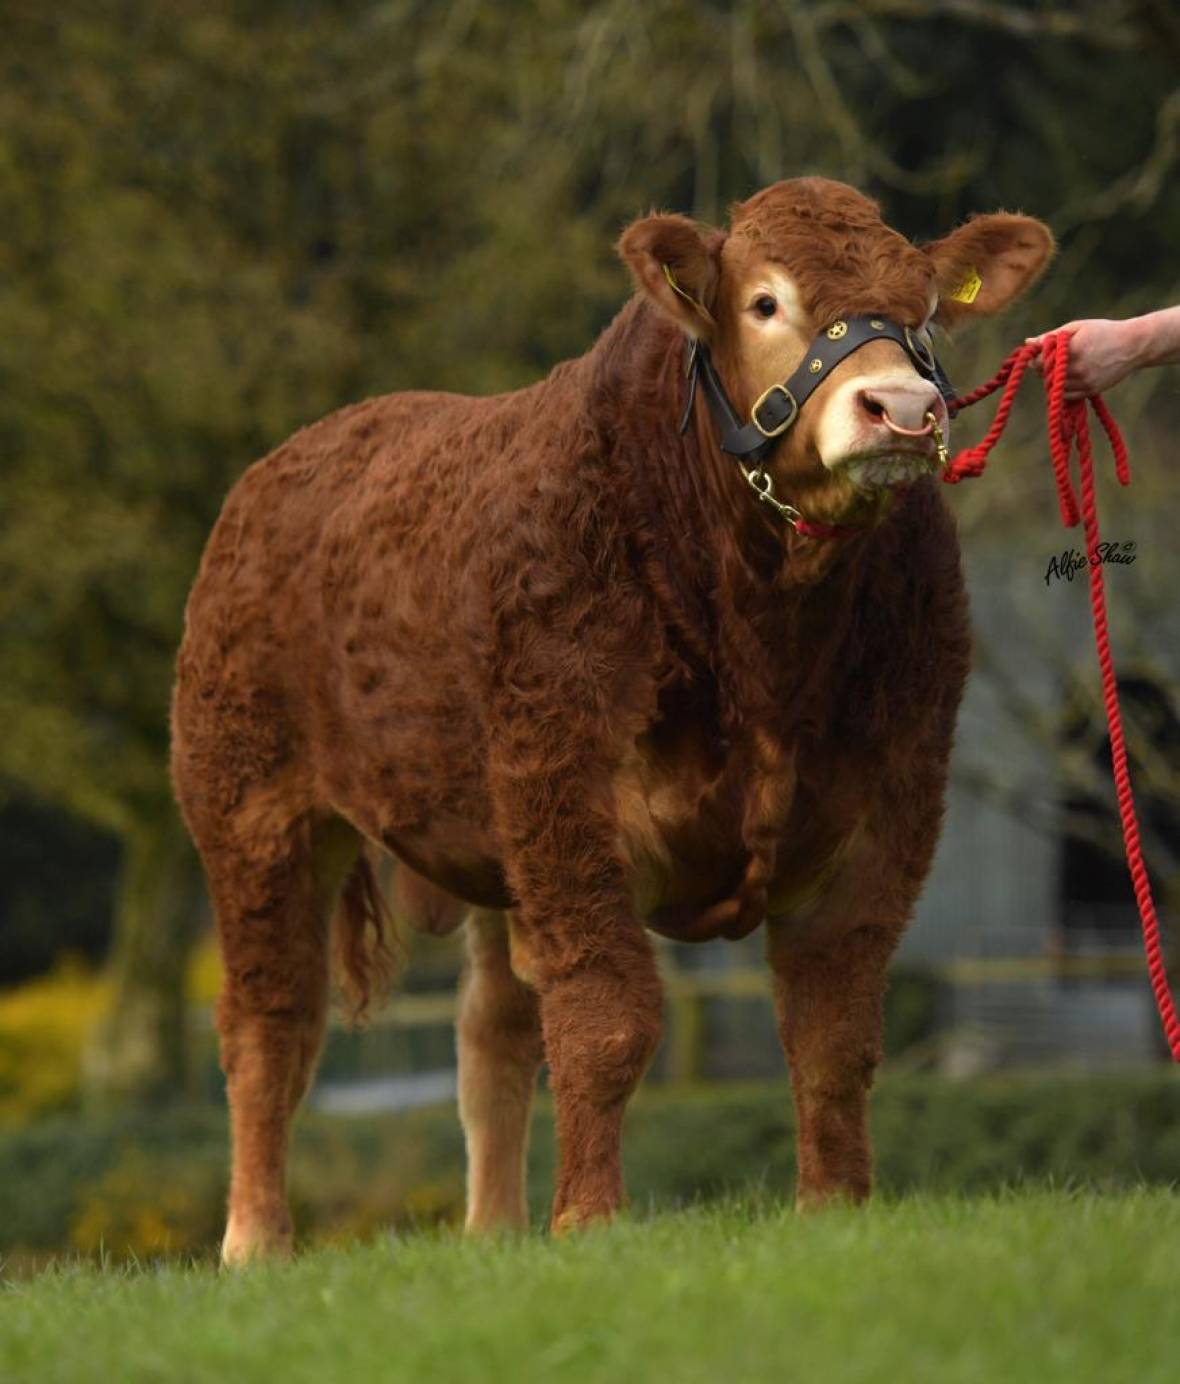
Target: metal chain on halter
759 480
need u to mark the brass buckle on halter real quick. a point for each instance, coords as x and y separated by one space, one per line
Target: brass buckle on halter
786 423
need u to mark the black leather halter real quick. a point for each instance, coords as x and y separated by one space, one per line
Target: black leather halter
774 411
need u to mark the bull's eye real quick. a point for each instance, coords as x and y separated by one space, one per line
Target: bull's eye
765 306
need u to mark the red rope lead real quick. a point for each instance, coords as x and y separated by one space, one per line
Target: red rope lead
1068 425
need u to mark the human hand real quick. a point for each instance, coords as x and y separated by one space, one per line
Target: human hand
1101 353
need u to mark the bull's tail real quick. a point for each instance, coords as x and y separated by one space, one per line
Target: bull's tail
367 947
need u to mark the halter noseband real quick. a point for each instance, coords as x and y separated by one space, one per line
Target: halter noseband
776 409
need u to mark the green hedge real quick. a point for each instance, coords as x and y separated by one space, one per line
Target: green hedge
148 1185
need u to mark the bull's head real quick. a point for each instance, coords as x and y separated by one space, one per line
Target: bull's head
806 256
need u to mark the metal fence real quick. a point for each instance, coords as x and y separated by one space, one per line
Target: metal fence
959 1018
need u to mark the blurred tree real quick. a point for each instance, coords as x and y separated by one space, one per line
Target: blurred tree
149 350
223 220
46 911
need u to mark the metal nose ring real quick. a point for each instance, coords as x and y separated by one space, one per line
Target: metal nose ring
923 431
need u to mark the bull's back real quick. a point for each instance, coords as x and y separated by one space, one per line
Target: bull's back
369 488
331 587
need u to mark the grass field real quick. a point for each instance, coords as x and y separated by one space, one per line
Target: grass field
1032 1285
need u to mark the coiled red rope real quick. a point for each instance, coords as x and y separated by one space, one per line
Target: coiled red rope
1068 426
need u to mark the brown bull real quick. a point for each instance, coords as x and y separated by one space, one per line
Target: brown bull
555 656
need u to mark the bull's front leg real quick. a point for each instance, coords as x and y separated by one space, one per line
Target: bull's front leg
829 999
576 940
600 1017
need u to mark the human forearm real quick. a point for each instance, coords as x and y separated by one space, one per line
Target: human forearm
1157 337
1103 351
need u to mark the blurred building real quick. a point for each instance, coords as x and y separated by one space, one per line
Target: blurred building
1025 870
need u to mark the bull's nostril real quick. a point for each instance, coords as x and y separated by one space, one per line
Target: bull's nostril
873 406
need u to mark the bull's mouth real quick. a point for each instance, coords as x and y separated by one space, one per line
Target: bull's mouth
886 470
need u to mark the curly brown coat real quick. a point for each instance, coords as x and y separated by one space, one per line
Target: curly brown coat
555 658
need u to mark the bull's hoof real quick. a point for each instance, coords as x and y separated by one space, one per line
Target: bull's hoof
256 1243
496 1222
828 1198
575 1218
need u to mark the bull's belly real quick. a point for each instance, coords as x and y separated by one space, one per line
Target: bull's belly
679 838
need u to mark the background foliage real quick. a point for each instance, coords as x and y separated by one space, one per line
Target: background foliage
222 220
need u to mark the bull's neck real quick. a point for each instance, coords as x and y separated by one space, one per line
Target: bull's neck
727 562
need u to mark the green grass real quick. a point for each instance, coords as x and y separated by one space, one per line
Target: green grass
1031 1285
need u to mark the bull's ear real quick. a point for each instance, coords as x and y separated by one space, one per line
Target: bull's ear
676 267
987 263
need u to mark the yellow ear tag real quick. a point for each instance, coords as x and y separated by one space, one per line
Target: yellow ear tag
675 287
967 289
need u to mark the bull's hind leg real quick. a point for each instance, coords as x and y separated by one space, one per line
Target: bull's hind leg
499 1041
273 893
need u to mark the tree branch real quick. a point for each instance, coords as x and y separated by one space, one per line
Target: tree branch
1139 189
1098 29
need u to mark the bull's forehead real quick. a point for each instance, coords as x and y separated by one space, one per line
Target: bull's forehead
840 255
